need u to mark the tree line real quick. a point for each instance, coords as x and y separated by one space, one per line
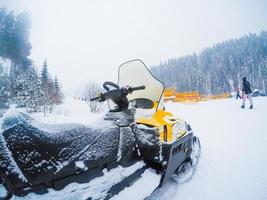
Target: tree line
220 68
22 84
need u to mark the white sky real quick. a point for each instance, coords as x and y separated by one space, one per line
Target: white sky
86 40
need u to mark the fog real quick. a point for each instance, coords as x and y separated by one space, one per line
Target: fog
86 40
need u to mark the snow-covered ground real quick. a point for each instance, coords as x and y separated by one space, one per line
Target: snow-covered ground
71 111
233 159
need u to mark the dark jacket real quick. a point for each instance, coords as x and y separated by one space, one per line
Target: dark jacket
246 87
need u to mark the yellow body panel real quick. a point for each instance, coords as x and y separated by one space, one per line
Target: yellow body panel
160 119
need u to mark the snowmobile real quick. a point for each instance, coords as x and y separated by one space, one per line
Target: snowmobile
137 134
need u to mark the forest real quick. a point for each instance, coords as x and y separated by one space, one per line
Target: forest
21 83
220 68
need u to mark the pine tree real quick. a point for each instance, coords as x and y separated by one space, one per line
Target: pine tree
14 40
35 91
51 90
19 88
6 33
57 92
44 74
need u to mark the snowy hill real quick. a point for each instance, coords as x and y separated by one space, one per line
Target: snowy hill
233 160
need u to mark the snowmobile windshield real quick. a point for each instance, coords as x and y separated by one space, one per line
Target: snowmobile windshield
135 73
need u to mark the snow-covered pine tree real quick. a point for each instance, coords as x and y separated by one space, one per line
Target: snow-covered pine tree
46 88
14 40
220 68
35 91
57 92
51 90
44 74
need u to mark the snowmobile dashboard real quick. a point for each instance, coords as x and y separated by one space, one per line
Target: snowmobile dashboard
116 94
143 103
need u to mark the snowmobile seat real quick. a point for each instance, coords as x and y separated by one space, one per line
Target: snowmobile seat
42 151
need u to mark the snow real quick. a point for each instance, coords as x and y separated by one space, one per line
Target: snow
233 159
3 191
145 186
93 189
80 165
232 164
71 111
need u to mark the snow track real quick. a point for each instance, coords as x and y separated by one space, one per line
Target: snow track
95 189
187 169
142 188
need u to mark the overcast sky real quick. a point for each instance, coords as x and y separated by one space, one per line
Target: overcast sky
86 40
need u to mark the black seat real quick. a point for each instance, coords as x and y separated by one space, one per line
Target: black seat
42 151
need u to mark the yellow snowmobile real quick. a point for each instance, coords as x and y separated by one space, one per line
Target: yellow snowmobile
138 133
165 142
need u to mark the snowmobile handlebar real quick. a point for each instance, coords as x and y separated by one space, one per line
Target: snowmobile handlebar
108 83
117 95
137 88
94 98
114 85
108 95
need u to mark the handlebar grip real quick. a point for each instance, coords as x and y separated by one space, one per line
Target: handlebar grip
138 88
94 98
